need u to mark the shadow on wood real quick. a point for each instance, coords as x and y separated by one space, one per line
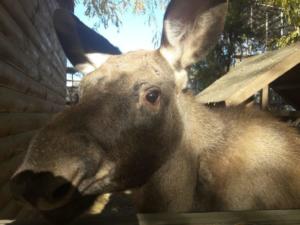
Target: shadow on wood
268 217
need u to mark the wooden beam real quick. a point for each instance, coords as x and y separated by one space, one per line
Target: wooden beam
9 167
263 79
15 123
14 145
36 46
6 222
5 195
11 101
265 97
269 217
12 78
12 55
16 11
282 217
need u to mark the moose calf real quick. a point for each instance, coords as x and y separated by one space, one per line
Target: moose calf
134 128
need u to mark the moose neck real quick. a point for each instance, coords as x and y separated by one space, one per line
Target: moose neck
203 128
174 187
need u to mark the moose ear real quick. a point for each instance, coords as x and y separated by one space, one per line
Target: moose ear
191 28
86 49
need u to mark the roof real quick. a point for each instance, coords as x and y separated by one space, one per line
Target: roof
252 75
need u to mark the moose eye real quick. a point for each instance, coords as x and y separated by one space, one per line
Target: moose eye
152 96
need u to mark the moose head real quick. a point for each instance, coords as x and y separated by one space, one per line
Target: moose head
131 115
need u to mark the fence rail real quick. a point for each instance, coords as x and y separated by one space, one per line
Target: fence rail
268 217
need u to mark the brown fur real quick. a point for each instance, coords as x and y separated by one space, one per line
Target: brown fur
253 163
175 154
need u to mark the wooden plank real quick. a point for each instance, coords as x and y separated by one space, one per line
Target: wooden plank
267 217
265 97
5 195
58 52
9 167
282 217
10 54
11 101
30 8
266 78
11 30
47 29
14 79
251 75
5 222
17 12
9 27
14 145
15 123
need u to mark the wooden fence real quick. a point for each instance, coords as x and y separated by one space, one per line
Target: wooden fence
32 83
267 217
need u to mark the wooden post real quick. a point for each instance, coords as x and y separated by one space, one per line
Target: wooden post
265 97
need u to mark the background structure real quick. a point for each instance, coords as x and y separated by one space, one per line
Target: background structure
32 82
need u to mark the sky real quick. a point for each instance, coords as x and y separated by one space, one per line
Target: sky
133 34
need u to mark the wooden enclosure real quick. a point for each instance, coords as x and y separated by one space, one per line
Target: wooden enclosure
278 69
32 83
267 217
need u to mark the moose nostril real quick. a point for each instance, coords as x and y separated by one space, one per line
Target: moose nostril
61 192
42 190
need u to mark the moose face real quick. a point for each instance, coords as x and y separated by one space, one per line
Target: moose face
108 142
127 122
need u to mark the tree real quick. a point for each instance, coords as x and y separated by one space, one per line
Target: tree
110 11
252 27
291 12
233 44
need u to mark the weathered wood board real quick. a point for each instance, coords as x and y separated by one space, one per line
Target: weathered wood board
269 217
251 75
32 83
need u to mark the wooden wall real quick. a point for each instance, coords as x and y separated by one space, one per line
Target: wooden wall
32 83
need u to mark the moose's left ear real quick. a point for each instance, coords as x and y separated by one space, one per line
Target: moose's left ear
191 28
86 49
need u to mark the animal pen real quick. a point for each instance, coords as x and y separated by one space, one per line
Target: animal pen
277 70
32 83
33 89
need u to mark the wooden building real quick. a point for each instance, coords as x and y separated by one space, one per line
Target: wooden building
32 82
279 70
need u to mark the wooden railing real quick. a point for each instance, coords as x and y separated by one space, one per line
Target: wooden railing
269 217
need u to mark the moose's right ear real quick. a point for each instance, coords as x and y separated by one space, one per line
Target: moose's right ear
85 48
191 28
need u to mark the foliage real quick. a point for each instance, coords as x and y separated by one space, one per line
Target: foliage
291 10
111 11
244 34
232 44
